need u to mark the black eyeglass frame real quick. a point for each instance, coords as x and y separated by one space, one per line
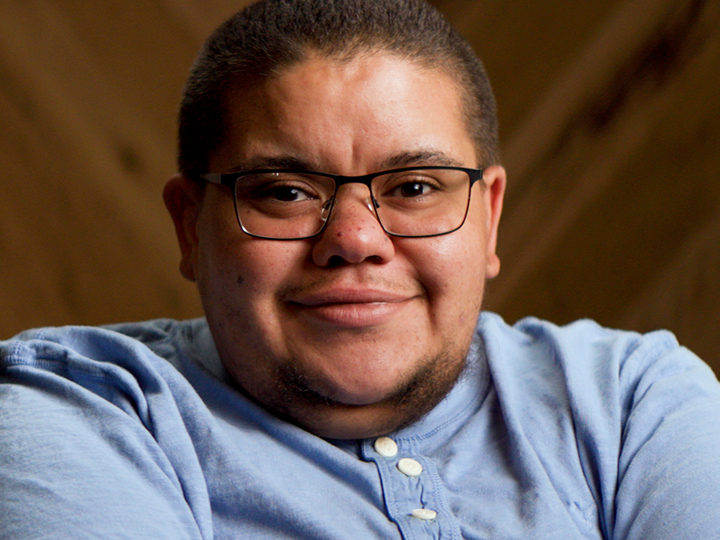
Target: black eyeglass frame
230 180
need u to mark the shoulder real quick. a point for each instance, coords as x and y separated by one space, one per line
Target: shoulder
108 424
119 363
603 378
167 338
637 414
113 344
583 337
586 348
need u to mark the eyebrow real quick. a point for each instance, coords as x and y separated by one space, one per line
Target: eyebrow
275 162
420 157
403 159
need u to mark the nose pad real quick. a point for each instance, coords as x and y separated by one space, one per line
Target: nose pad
325 211
327 206
371 203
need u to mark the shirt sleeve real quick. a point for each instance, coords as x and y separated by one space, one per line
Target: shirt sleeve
80 455
669 467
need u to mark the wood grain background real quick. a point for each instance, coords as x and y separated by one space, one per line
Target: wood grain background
610 120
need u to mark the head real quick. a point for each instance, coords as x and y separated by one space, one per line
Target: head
351 333
271 35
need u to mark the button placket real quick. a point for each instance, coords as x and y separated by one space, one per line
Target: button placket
409 492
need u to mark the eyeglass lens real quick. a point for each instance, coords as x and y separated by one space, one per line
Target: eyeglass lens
284 205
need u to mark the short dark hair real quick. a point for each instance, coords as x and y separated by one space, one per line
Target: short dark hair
269 35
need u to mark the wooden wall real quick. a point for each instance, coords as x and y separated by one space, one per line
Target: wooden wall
610 114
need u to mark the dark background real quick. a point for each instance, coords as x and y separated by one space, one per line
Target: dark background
610 120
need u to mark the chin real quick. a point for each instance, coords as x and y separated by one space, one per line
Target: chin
364 410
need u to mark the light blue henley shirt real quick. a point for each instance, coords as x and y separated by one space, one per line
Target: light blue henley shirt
575 432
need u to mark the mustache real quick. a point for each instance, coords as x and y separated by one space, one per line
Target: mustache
322 284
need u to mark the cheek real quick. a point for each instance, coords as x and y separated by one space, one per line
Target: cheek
460 256
245 274
218 263
451 269
264 267
461 259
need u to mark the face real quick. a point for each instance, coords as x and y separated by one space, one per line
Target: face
352 333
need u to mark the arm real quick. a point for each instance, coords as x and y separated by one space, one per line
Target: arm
669 467
79 451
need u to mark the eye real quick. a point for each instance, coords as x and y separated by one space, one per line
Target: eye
283 193
277 188
412 189
411 186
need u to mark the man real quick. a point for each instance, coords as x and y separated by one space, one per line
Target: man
337 205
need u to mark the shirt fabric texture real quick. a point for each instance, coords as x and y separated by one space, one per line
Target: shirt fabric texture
135 431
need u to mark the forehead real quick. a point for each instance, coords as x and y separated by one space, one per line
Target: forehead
331 112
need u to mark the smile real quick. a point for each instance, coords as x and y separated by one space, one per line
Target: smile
352 308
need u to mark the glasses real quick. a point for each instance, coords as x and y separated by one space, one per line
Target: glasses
416 202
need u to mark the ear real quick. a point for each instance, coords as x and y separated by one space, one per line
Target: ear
495 179
183 199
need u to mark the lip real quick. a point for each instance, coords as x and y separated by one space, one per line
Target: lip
351 308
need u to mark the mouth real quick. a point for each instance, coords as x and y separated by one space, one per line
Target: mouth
351 308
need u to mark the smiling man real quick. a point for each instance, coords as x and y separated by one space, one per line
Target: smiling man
358 331
337 204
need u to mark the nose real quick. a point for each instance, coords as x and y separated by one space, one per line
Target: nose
352 234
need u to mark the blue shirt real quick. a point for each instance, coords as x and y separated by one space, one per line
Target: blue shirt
135 431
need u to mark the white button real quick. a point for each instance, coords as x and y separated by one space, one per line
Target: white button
424 513
386 447
409 467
